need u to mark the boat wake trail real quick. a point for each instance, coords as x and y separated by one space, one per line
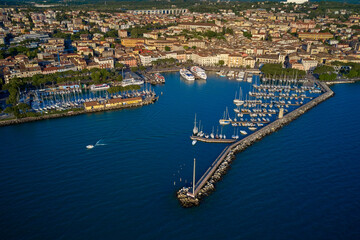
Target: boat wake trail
98 143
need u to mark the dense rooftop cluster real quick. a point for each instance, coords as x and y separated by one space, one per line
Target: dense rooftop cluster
49 41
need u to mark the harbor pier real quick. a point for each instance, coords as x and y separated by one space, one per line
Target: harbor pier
212 140
206 184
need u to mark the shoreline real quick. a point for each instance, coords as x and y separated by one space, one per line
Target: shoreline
343 81
206 184
75 113
211 69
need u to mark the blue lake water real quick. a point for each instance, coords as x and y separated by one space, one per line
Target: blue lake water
301 182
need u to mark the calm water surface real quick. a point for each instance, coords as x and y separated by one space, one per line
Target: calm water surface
299 183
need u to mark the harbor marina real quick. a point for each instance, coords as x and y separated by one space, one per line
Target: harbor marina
256 106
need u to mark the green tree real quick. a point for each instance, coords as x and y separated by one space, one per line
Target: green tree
229 31
13 97
134 33
23 107
323 69
13 110
134 69
352 74
96 77
167 48
119 65
119 78
247 34
221 62
327 77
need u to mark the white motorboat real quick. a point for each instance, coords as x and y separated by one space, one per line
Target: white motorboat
99 87
187 74
131 81
199 72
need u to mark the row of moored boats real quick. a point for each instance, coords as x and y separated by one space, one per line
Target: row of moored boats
193 73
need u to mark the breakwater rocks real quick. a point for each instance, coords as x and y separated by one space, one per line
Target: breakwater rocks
206 184
74 113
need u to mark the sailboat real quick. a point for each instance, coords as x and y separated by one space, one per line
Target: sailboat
200 133
226 120
212 133
195 129
233 136
237 134
239 101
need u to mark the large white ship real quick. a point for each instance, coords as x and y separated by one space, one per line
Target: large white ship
187 74
99 87
199 72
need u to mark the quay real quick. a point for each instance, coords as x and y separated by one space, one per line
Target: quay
245 122
189 197
340 82
146 101
213 140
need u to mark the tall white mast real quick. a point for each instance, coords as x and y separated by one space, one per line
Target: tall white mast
194 178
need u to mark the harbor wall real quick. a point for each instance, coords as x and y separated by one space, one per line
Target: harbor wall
74 113
205 185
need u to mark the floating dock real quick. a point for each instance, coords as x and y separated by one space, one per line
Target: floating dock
213 140
205 185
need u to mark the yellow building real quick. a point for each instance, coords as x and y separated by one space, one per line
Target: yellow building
111 103
115 102
235 60
132 42
315 36
94 105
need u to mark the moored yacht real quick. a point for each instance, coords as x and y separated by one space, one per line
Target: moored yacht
199 72
226 120
243 132
159 77
99 87
187 74
131 81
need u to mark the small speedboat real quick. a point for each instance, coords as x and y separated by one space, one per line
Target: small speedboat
194 142
90 146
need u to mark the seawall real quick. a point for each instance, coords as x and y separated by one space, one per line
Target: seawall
205 185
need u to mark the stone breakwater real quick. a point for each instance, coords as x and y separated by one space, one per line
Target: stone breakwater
74 113
206 184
